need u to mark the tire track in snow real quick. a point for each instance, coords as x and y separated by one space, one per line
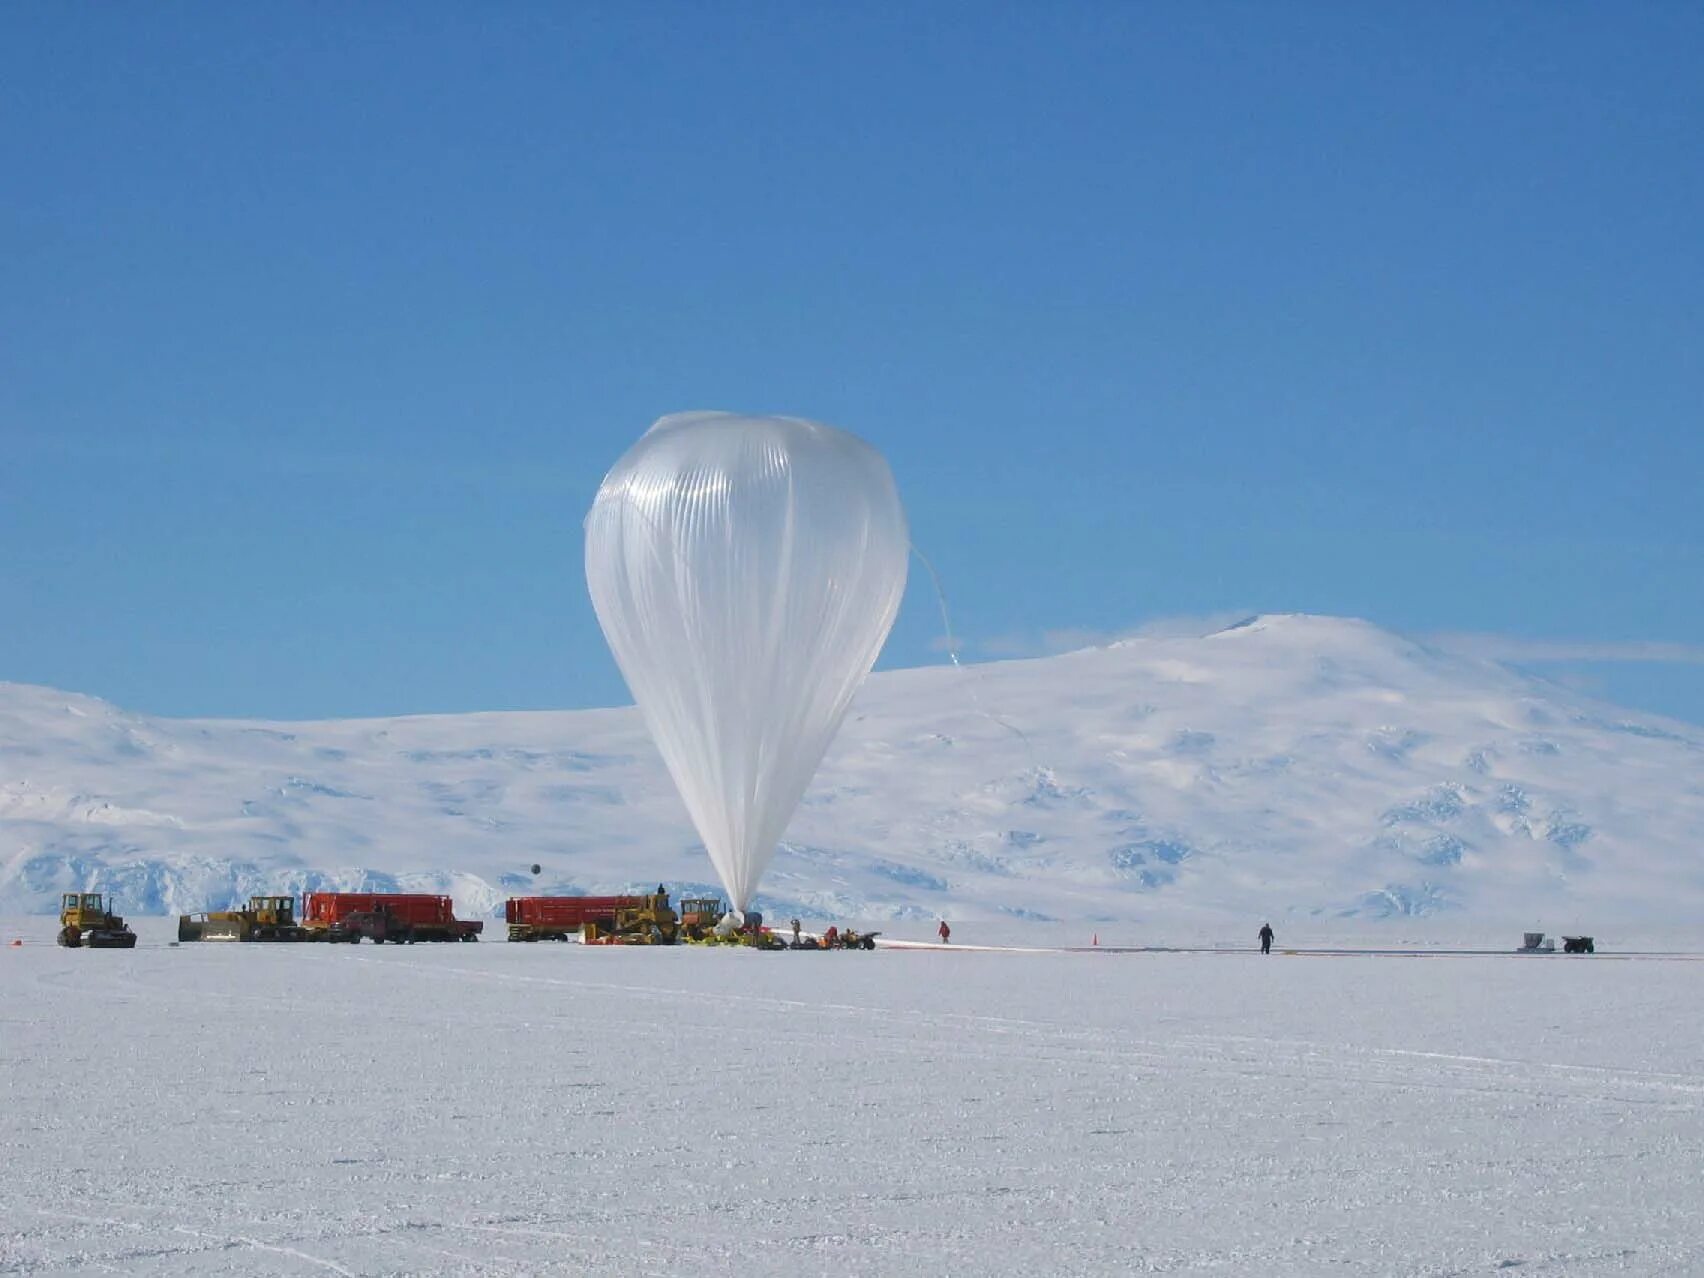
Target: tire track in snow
224 1240
1201 1051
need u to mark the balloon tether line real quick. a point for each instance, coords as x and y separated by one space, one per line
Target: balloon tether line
952 654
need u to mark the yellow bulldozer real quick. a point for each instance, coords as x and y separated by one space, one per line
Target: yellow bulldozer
265 918
85 922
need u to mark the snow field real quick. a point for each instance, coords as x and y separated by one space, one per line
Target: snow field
508 1109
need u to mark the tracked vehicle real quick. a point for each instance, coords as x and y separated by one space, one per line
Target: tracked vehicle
266 918
85 922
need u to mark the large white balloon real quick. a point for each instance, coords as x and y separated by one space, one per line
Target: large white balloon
746 571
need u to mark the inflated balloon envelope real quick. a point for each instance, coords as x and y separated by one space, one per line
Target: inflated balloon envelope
746 571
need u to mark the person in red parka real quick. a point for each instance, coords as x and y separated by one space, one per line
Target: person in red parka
946 933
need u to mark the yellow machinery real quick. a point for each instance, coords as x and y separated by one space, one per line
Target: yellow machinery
649 920
701 924
699 916
84 920
601 920
266 918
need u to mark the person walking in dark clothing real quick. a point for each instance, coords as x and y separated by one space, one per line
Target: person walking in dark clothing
1266 935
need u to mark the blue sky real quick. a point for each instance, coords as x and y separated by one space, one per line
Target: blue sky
319 325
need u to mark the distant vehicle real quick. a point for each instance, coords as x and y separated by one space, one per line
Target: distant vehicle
708 920
699 916
385 916
835 939
1538 943
376 925
646 919
265 918
85 922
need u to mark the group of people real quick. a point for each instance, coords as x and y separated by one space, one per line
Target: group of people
944 932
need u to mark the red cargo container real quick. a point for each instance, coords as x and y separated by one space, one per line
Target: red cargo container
424 917
555 918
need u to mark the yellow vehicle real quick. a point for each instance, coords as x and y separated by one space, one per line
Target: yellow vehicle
701 924
699 916
266 918
85 921
601 920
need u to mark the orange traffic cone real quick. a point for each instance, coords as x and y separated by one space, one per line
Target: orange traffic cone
1095 940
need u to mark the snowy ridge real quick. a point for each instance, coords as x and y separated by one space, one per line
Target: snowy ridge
1289 765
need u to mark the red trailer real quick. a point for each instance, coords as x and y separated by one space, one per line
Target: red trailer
633 919
382 916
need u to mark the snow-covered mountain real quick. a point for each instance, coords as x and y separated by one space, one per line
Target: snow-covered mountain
1287 765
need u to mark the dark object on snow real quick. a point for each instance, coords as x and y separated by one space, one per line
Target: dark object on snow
1266 938
537 870
1578 945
